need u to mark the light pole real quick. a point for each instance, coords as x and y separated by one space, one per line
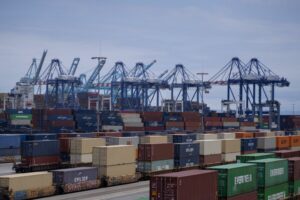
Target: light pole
202 74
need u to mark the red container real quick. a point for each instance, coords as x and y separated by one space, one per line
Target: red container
191 117
192 124
213 123
126 128
212 119
64 145
185 185
287 153
109 134
175 124
246 196
294 168
247 123
260 134
41 160
152 116
229 119
154 128
210 159
61 123
191 128
58 111
152 152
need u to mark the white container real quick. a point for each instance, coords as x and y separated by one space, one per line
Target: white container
230 157
231 145
226 135
209 147
207 136
266 143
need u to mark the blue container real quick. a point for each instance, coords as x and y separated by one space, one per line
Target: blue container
154 123
133 133
248 144
10 152
265 150
40 148
61 130
43 136
186 150
16 111
10 141
290 133
86 117
184 138
59 117
74 175
187 161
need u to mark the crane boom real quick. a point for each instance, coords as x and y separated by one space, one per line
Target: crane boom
74 66
101 62
38 71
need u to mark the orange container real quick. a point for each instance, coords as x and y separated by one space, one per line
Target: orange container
295 141
244 135
283 142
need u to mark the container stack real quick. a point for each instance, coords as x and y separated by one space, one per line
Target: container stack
20 120
192 121
226 136
294 176
58 120
236 181
27 186
191 185
272 182
266 144
40 152
230 123
230 149
111 121
153 121
86 120
247 125
173 121
76 179
132 122
287 153
295 142
213 123
186 153
155 157
82 149
10 145
248 145
115 163
210 152
124 141
41 136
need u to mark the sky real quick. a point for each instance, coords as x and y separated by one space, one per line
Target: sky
201 35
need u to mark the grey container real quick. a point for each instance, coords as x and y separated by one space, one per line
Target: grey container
74 175
123 141
266 143
154 166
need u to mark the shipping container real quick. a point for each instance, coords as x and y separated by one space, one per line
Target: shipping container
231 145
113 155
191 185
85 145
74 175
186 150
266 143
235 179
244 135
276 192
184 138
246 196
40 148
230 157
295 141
226 135
207 136
255 156
123 141
154 152
43 136
117 171
282 142
81 158
294 168
210 159
294 188
153 166
209 147
41 160
271 171
10 141
287 153
153 139
248 144
190 161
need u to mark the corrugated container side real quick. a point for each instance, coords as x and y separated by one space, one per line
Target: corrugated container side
280 191
74 175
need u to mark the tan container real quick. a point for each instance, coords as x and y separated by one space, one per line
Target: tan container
207 136
26 181
85 145
231 146
114 155
117 170
153 139
209 147
81 158
226 135
230 157
295 148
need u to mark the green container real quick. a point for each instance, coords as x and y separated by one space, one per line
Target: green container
294 188
20 116
276 192
235 179
254 156
271 171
